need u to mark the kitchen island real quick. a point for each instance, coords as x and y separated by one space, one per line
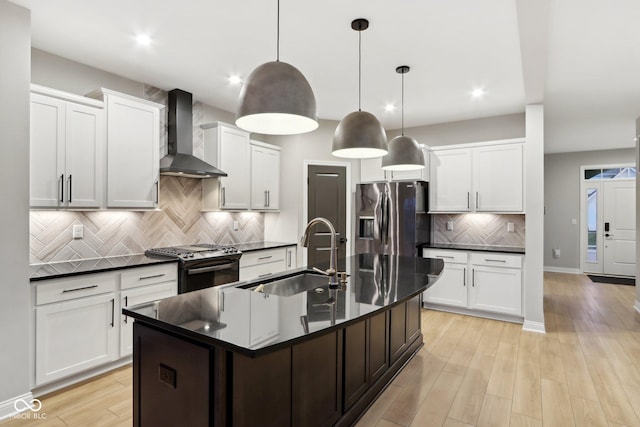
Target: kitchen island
232 356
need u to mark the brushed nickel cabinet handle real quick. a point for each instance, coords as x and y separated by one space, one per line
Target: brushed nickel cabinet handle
464 277
79 289
113 311
151 277
126 304
62 188
494 260
70 188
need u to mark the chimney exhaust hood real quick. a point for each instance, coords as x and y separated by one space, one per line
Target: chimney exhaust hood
180 161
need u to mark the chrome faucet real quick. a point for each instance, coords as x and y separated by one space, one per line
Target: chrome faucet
332 272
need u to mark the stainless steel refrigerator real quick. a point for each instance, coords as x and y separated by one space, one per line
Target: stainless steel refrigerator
391 218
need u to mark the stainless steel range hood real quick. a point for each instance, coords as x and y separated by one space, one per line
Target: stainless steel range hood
180 161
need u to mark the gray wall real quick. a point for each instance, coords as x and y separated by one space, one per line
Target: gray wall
15 43
562 201
466 131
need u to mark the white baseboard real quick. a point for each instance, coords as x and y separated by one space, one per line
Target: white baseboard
8 407
637 306
552 269
531 326
474 313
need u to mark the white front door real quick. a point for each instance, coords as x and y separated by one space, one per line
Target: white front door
619 230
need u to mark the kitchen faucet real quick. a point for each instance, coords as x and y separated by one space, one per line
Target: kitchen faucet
332 272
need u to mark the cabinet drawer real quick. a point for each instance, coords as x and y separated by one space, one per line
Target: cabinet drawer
56 290
262 270
496 260
459 257
262 257
148 275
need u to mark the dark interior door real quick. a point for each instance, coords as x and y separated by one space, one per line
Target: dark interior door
327 198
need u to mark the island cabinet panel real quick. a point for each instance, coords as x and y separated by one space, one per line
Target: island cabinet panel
413 319
378 345
261 390
398 329
317 381
356 372
171 380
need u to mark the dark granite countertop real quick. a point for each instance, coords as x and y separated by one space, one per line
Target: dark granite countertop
55 270
472 247
257 246
240 319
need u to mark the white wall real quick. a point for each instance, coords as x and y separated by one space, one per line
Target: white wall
562 202
637 303
15 48
534 207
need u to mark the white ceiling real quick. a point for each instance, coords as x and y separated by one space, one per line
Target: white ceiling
592 91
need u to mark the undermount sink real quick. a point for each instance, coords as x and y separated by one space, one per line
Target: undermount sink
303 282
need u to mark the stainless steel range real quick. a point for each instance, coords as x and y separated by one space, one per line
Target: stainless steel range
203 265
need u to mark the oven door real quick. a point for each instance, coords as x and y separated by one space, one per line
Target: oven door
207 273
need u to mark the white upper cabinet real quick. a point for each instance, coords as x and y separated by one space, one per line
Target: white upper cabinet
227 148
450 186
371 171
497 175
485 177
265 176
133 145
67 150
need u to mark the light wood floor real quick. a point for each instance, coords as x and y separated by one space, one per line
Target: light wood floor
585 371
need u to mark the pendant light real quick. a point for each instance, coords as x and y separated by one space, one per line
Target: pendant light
359 134
277 99
404 152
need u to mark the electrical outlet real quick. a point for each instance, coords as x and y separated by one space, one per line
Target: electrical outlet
235 226
78 231
574 221
449 225
556 253
510 227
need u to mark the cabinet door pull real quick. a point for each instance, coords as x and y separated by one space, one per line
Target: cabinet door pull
79 289
473 277
268 198
224 198
289 253
113 311
70 188
265 275
494 260
126 304
266 201
477 201
444 256
157 192
151 277
468 202
62 188
265 257
464 277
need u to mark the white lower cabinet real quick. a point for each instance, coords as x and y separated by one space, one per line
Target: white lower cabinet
75 335
78 321
481 281
264 263
139 296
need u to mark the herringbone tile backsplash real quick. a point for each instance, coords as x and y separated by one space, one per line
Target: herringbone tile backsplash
110 233
479 229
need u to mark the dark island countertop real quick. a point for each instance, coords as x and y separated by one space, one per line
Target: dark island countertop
236 318
54 270
474 247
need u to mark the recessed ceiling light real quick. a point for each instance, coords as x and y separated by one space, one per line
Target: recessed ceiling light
143 39
234 80
477 93
389 107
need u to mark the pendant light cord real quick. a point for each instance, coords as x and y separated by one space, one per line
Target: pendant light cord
402 106
359 68
278 34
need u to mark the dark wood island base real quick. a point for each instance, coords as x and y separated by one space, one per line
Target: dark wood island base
328 380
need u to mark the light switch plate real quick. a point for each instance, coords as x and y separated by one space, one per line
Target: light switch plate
449 225
78 231
235 226
510 227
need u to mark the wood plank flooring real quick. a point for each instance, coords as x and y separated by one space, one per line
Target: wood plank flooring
585 371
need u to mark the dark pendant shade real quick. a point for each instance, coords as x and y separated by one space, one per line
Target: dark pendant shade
359 135
277 100
404 154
